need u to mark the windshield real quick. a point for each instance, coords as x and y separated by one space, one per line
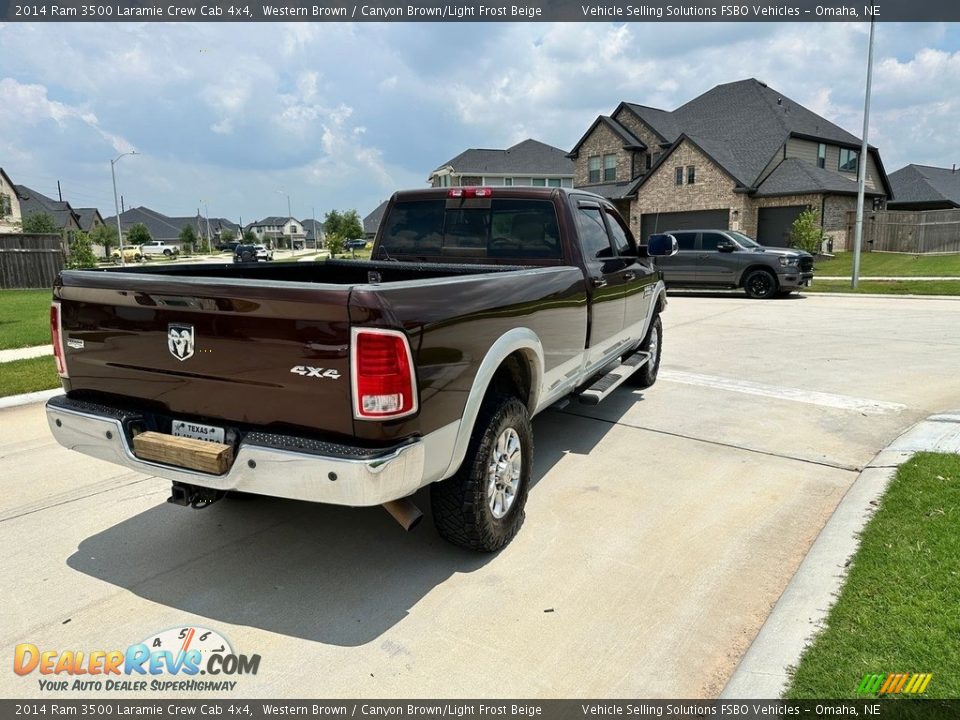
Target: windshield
745 241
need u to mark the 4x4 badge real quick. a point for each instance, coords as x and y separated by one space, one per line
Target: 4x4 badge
180 341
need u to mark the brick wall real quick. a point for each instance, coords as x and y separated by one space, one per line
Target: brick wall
835 210
712 190
602 141
643 133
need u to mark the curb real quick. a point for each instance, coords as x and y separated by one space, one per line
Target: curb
764 671
28 398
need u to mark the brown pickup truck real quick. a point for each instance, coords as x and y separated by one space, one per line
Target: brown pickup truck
359 382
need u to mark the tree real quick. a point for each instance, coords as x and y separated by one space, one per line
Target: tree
187 238
334 244
227 236
81 252
805 233
250 237
138 235
346 225
105 235
40 223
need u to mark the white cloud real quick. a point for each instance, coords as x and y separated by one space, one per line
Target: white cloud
352 112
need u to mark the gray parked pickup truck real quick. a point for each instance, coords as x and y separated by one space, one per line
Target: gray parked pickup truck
730 259
360 382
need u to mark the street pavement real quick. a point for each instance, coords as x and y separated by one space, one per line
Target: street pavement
662 527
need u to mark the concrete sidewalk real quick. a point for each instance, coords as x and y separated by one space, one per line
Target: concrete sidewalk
764 672
25 353
889 278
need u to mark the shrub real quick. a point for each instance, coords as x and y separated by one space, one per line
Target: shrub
805 233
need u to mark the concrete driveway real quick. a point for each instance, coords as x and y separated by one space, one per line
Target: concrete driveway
661 530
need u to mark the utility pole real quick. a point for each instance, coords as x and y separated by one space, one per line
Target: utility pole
862 165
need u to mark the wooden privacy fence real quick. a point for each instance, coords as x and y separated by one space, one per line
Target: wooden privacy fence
908 231
30 261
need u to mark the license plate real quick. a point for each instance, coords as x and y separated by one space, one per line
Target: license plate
807 283
181 428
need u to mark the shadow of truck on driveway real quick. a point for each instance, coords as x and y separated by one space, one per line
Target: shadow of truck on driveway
336 575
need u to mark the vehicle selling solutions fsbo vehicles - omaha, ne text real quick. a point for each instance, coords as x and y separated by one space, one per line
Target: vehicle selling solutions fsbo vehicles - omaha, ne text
358 382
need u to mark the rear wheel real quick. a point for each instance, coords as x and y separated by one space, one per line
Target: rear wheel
481 507
653 344
760 284
167 252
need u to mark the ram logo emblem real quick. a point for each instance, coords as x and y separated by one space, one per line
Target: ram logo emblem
180 341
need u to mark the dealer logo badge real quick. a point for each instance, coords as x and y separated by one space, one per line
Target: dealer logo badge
180 341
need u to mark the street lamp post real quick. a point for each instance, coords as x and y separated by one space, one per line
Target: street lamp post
116 201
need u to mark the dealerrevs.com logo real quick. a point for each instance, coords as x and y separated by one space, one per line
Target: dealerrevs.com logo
185 658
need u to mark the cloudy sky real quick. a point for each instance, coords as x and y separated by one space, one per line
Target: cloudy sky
340 115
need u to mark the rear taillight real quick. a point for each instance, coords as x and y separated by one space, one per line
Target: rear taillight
470 192
56 337
384 386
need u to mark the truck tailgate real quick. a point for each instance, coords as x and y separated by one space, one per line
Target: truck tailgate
259 352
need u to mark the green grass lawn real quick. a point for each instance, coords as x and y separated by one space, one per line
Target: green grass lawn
888 287
899 610
23 376
891 265
24 318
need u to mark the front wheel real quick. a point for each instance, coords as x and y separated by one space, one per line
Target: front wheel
167 253
760 285
481 506
653 344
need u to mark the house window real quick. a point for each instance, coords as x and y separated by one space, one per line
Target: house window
594 166
553 182
678 176
691 174
848 160
649 160
508 182
609 168
5 207
821 155
539 182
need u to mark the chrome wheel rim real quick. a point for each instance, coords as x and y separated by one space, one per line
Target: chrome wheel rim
503 473
654 345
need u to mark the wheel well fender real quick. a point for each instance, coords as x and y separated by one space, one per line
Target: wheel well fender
746 271
513 364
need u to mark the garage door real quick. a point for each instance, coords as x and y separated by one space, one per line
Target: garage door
773 224
694 220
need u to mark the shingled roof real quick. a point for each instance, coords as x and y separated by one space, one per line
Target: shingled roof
742 125
371 223
925 185
793 176
530 157
630 141
32 202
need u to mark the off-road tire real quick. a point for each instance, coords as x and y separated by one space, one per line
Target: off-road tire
760 284
647 375
461 511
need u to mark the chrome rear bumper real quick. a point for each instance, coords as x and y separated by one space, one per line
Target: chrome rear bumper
260 466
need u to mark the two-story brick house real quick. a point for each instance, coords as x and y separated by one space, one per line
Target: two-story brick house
741 156
529 163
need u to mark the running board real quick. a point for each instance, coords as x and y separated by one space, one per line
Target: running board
614 379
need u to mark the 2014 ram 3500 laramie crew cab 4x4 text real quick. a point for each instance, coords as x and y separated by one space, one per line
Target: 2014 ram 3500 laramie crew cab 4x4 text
360 382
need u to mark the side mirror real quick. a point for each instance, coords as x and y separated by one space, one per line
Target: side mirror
726 247
661 245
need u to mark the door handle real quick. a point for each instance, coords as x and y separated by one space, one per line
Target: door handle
629 276
599 282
